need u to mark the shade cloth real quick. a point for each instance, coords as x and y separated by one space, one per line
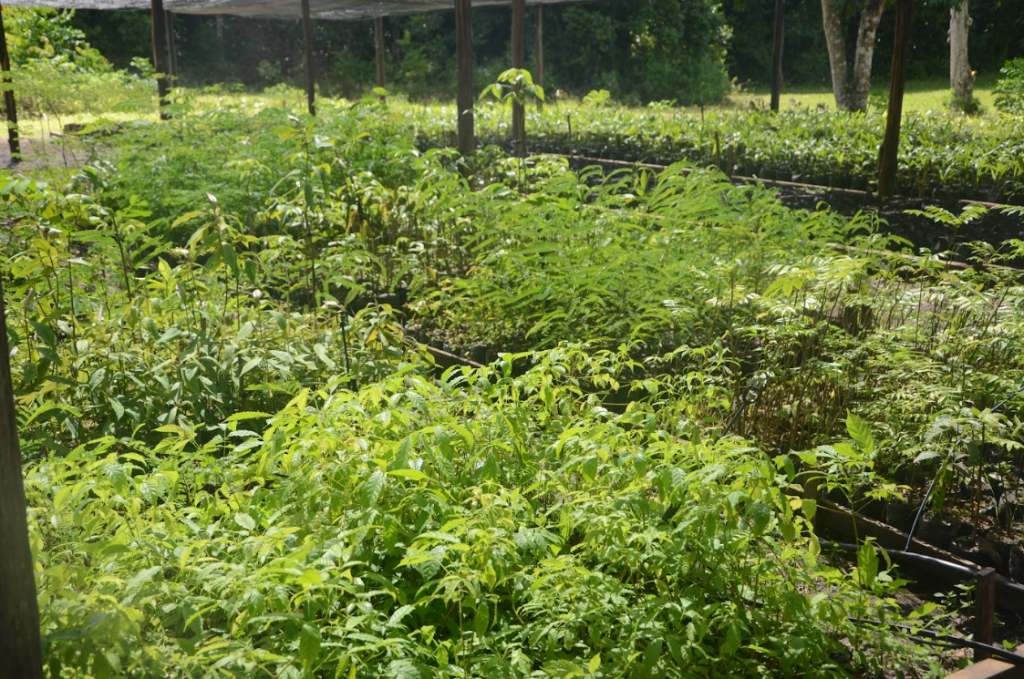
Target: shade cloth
281 9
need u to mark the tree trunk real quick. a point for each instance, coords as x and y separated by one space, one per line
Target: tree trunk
464 63
160 53
960 79
518 61
851 93
889 152
20 647
870 16
777 44
378 44
307 48
9 105
836 53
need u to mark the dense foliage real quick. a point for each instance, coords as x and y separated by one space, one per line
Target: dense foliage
57 72
941 155
240 464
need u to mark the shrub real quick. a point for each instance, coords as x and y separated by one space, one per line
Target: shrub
1009 90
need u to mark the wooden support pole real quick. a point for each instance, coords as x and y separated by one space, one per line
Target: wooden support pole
9 105
518 61
888 154
378 42
160 52
777 43
464 59
985 610
538 77
307 44
172 50
21 650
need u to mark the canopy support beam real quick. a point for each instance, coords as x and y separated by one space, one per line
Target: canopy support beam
538 77
9 105
888 154
172 50
518 61
378 42
777 43
307 43
464 59
21 650
160 53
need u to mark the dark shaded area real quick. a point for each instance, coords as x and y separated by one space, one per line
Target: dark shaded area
638 50
996 35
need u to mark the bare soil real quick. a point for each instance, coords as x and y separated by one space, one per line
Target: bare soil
42 154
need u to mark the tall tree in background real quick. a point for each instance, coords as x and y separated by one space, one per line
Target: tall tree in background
961 81
851 89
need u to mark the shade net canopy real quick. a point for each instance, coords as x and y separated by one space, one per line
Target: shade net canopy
281 9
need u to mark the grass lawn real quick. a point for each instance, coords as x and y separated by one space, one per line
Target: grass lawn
921 95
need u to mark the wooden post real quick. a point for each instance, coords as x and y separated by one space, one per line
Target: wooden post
985 610
378 41
887 156
518 61
10 107
21 650
307 42
172 49
160 52
779 39
538 77
464 59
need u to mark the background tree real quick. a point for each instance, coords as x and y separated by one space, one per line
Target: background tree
851 88
961 80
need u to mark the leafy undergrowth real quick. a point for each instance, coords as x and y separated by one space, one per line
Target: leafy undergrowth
480 525
239 464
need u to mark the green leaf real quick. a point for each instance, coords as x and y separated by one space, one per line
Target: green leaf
482 620
761 515
594 663
372 489
247 415
651 656
411 474
867 563
590 468
133 586
117 408
249 365
309 645
245 521
45 334
732 638
861 433
230 259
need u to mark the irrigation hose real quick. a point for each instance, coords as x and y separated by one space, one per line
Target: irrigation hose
931 486
909 557
752 394
933 638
